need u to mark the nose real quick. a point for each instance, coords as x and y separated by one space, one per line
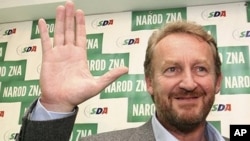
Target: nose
187 82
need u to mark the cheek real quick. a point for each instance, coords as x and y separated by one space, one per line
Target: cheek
163 87
208 86
161 98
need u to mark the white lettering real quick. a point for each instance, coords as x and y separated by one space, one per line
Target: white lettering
34 90
14 91
92 44
120 86
114 63
15 70
173 17
149 19
237 82
143 109
83 133
240 132
235 58
141 86
3 71
97 65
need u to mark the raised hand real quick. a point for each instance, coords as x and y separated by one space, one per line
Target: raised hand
65 79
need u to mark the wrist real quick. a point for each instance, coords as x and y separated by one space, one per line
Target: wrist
56 107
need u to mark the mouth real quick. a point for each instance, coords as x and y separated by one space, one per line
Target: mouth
186 98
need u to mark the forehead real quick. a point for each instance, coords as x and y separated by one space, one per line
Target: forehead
182 41
181 45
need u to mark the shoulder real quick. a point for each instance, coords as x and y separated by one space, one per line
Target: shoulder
141 133
119 135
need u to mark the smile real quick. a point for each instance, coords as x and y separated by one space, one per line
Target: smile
186 98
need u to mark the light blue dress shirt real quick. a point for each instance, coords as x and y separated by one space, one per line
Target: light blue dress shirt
39 113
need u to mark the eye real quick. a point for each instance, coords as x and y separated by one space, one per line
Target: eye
200 70
171 71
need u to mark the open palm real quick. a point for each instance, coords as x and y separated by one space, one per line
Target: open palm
65 77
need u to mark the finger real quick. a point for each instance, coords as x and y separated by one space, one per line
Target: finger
111 76
81 34
45 39
80 29
59 26
69 23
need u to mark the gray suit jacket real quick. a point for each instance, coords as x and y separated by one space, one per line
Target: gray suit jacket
60 130
142 133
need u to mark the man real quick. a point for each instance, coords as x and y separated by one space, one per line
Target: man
182 73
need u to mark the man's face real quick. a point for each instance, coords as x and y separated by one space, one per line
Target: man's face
183 81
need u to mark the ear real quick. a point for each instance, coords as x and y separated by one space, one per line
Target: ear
218 83
149 85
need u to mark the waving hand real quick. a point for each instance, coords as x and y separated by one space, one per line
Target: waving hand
65 78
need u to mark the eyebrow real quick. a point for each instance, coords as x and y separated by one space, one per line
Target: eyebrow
175 62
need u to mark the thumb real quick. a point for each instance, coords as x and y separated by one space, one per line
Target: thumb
111 76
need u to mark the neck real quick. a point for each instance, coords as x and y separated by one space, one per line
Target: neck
196 134
199 134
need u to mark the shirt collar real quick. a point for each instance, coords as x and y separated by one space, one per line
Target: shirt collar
161 134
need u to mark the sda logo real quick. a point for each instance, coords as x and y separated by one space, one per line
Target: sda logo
24 50
7 33
10 32
92 110
9 135
101 23
221 107
99 110
241 34
131 41
128 41
213 14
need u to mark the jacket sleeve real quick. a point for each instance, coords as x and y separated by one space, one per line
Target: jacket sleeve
56 130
